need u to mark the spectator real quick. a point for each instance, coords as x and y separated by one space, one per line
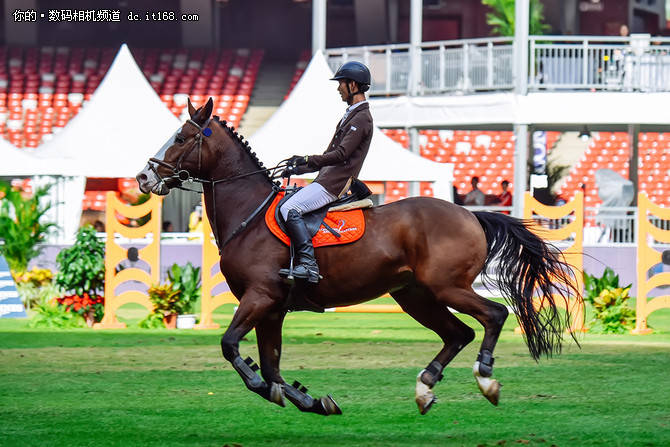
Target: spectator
505 197
167 226
475 197
195 224
458 200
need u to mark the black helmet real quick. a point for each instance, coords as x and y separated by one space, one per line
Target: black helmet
355 71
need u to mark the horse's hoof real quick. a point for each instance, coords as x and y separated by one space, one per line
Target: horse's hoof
425 401
424 395
493 393
277 394
330 405
490 389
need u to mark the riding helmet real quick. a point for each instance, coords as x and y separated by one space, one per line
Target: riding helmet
356 71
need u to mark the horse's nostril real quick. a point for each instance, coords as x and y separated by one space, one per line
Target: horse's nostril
141 177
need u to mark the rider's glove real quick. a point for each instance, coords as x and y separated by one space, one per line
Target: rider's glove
297 160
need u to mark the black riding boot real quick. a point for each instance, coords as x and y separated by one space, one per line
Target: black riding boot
304 250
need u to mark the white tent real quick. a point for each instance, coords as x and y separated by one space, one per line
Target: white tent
114 135
118 130
305 122
15 162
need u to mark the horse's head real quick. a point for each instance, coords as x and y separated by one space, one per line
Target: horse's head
183 156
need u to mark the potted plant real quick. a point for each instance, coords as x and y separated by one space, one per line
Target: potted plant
175 298
81 275
186 279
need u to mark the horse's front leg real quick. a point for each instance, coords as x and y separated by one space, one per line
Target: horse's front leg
253 309
269 336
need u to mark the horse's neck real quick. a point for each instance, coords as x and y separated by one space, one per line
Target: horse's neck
232 203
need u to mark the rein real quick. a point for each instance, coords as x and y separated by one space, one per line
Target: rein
182 175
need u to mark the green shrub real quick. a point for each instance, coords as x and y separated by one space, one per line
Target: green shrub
81 267
81 276
50 315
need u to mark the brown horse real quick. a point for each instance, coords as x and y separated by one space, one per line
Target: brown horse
425 252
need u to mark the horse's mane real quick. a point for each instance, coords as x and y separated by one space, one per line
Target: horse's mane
244 144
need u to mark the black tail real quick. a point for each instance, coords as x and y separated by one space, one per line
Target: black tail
528 267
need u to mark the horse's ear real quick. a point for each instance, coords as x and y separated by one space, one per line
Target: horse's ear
208 109
191 109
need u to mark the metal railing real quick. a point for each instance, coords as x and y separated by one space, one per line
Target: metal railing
636 63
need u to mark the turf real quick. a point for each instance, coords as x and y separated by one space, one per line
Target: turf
172 388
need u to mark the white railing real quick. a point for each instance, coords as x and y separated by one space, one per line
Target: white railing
602 226
637 63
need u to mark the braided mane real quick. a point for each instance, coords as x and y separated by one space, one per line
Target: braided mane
244 144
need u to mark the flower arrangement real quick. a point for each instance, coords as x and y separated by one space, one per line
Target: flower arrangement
91 307
35 284
37 277
609 301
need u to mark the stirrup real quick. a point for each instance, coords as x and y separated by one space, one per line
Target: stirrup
300 272
303 272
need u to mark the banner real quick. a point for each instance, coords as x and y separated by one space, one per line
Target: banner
10 302
539 152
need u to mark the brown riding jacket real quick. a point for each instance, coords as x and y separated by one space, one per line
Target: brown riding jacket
343 159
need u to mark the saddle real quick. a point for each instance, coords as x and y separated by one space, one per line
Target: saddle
340 222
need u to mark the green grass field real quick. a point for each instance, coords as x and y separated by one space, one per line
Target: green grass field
137 387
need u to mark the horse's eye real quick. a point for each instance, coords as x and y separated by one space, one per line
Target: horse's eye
179 139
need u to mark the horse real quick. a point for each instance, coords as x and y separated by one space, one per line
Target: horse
423 251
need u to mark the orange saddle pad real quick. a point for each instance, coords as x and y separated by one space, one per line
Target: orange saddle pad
350 225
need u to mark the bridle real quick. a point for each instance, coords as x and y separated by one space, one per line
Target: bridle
179 174
182 175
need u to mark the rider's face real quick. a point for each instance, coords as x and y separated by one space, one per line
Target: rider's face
342 89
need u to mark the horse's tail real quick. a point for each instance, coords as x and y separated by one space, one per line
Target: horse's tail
527 267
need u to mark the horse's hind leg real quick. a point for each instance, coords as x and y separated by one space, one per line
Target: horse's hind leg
491 316
421 305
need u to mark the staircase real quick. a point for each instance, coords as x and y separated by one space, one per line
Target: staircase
270 89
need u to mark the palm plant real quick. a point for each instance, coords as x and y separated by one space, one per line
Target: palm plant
22 225
502 17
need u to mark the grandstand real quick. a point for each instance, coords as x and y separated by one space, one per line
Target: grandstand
41 89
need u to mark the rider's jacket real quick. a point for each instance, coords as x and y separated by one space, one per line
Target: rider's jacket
343 159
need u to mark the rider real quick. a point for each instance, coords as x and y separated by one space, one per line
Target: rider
338 166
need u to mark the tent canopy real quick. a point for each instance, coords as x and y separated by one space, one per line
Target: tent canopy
305 122
18 163
119 129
